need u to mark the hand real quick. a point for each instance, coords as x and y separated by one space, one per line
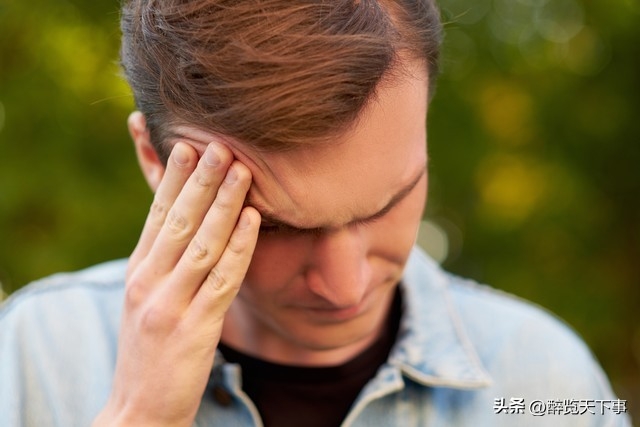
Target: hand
189 263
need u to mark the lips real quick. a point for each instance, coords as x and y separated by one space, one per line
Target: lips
333 313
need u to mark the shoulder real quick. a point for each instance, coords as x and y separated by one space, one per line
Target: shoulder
64 306
525 348
58 344
60 292
529 354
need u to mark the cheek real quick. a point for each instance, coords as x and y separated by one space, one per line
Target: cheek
276 262
395 234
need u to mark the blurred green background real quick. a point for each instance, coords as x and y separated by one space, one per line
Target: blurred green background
533 138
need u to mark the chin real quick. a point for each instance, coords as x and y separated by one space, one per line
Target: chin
346 337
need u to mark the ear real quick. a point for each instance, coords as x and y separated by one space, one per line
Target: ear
150 164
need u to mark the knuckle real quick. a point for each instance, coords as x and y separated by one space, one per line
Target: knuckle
177 223
158 210
156 318
223 202
202 179
236 246
216 280
198 250
137 286
135 292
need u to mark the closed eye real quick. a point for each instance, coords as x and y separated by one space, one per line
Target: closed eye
267 228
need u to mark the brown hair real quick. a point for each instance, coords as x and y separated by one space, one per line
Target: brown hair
273 74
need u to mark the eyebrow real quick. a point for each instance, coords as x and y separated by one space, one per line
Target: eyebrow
273 221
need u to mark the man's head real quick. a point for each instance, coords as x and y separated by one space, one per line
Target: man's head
273 74
325 103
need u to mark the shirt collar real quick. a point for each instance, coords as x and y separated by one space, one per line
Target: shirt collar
433 348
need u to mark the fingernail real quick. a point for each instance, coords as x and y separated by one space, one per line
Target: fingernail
211 158
232 176
180 155
244 221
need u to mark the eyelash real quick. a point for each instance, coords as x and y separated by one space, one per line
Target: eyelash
268 230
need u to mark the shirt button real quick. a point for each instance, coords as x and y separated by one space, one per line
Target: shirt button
222 396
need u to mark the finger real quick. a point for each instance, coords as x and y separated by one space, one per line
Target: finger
190 207
211 239
224 280
180 165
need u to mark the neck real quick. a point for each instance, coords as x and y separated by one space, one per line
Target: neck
278 351
246 332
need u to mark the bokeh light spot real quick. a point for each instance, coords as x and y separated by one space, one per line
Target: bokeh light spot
506 112
434 240
587 53
510 189
559 20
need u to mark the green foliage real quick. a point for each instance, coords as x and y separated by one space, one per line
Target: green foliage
70 192
534 154
534 151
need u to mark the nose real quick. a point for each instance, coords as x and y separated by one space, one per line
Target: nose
339 271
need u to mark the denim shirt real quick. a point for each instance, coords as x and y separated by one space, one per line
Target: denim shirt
466 355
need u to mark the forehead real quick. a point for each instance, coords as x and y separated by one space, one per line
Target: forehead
355 177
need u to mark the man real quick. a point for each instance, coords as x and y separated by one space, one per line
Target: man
275 280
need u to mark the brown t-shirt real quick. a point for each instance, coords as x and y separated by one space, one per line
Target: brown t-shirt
320 396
